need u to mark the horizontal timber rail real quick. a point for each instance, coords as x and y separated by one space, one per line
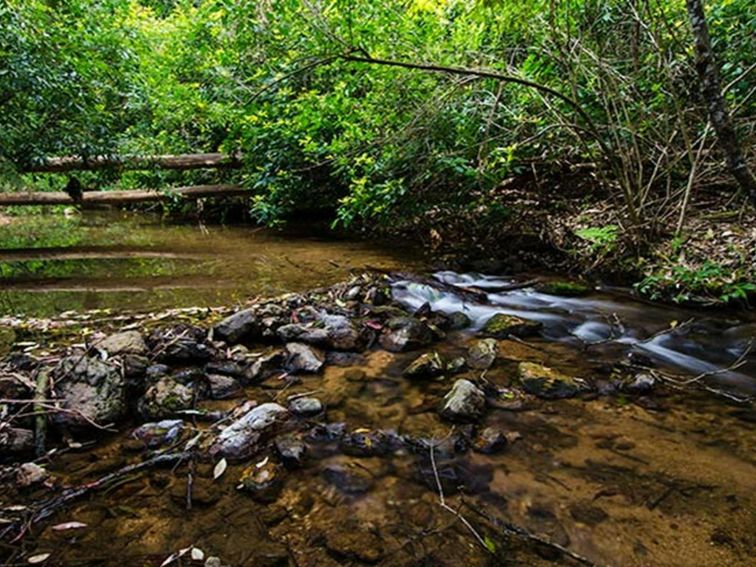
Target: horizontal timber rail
122 197
178 162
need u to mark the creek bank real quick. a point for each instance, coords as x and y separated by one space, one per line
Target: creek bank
176 390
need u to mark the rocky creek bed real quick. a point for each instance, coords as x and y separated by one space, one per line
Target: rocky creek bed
366 423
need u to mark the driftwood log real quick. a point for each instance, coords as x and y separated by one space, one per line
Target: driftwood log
122 197
179 162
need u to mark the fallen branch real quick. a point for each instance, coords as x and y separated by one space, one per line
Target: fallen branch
178 162
48 507
121 197
445 506
511 529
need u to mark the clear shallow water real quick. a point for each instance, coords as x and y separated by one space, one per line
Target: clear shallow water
118 260
665 479
115 260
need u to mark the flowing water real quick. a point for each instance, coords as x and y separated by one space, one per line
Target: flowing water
663 479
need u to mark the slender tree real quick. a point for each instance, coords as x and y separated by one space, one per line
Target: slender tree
708 74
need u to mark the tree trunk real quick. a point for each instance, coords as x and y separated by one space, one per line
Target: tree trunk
122 197
179 162
708 74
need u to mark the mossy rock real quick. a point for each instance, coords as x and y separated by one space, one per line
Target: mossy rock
564 288
501 326
547 383
428 365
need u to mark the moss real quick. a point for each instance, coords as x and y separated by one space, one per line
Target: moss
502 325
546 382
564 287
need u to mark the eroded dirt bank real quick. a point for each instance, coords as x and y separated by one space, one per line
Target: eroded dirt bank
345 427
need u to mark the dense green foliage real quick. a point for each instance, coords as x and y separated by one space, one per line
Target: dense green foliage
607 84
152 76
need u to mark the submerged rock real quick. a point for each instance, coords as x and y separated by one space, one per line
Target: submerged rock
405 333
548 383
205 492
482 354
306 406
165 398
91 390
223 387
354 543
263 481
428 365
242 438
303 358
292 450
127 342
159 434
348 477
326 433
490 440
464 402
366 443
501 326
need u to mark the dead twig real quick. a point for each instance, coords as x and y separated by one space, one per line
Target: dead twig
445 506
48 507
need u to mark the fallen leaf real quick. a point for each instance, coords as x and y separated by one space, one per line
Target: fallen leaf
69 526
197 554
39 558
219 469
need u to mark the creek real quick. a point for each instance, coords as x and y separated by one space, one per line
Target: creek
663 475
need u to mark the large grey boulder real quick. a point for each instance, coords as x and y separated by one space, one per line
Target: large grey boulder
243 438
89 390
464 402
